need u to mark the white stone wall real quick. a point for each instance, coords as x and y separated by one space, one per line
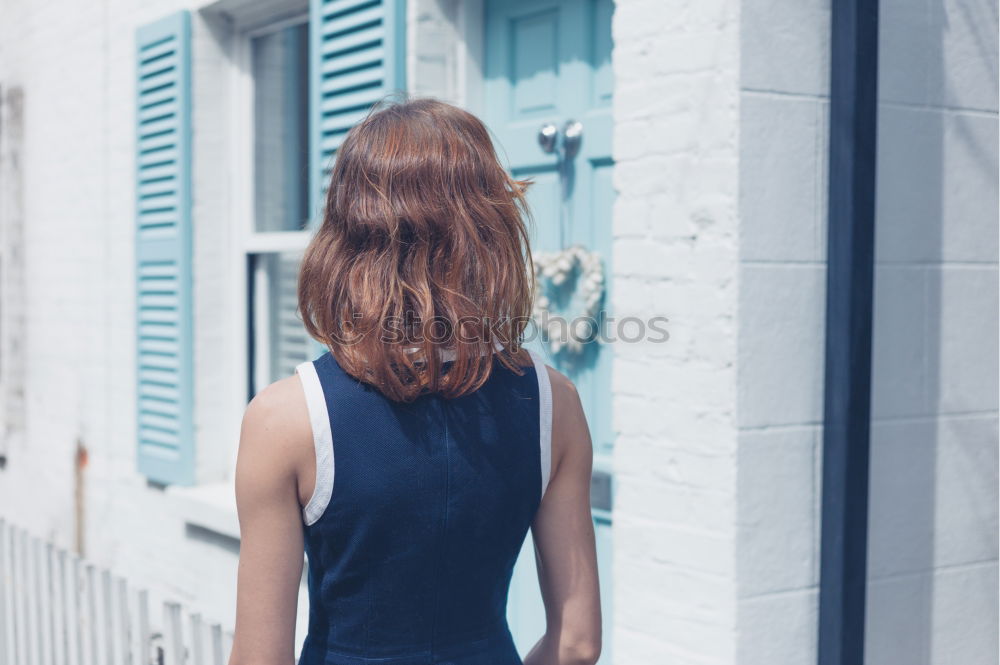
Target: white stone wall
933 532
784 106
932 594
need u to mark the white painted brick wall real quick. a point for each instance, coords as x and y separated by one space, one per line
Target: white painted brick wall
675 255
432 59
219 405
12 284
76 65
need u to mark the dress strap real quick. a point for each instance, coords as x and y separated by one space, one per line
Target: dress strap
544 417
319 418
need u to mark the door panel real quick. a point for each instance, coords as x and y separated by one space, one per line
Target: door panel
549 61
534 63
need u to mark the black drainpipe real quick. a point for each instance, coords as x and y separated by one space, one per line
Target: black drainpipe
847 380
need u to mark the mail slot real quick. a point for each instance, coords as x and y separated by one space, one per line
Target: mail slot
600 490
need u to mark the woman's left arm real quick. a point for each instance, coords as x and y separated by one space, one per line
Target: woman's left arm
274 441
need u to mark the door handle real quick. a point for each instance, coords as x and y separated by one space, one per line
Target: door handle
600 490
572 138
547 135
548 138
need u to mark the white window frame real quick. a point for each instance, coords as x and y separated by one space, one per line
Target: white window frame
246 240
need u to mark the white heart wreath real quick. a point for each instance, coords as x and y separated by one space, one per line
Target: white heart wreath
557 268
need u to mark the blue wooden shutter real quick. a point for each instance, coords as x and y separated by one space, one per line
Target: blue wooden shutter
357 56
165 381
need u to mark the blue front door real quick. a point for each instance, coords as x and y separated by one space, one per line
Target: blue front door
548 65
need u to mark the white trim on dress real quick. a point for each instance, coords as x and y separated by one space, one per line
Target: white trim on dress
319 418
544 417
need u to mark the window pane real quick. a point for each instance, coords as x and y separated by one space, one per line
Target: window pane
281 150
279 341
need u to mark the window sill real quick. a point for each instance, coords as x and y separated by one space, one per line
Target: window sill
211 507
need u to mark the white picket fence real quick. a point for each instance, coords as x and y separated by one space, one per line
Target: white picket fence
59 609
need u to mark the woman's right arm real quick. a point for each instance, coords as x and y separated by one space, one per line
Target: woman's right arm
563 532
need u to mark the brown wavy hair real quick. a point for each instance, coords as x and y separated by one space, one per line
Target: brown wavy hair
423 248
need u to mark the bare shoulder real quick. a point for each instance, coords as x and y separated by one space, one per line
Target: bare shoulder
563 390
570 432
279 409
276 435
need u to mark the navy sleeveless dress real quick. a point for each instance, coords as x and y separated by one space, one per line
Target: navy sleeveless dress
419 513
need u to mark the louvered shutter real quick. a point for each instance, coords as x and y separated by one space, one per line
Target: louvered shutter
164 304
290 345
357 50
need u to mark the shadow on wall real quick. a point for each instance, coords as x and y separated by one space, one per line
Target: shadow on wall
932 548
